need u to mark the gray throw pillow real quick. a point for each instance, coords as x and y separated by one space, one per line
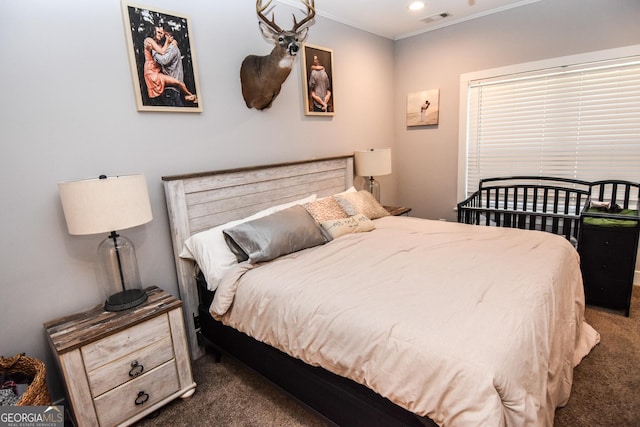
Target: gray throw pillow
272 236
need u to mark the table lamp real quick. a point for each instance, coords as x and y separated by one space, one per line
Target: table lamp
105 205
373 162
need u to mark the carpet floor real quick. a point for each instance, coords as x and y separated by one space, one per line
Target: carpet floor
606 388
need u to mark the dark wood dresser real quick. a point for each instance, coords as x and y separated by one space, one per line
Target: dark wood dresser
608 245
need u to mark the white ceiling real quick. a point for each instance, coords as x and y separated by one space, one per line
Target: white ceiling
393 19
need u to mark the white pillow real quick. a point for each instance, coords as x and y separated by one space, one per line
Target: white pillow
351 189
209 248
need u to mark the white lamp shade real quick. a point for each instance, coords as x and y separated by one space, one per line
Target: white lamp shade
373 162
103 205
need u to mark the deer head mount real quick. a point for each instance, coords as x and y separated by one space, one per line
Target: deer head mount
262 76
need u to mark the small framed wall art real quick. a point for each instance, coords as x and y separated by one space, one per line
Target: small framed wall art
423 108
162 59
317 80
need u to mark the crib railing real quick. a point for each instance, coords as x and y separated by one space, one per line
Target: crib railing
536 203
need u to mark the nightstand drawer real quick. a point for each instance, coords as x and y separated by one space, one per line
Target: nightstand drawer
123 402
125 342
130 366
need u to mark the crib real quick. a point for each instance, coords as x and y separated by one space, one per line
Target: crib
600 218
550 204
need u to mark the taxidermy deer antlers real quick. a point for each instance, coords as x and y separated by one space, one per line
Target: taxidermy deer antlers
262 76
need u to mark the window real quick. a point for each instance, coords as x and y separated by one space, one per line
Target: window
575 117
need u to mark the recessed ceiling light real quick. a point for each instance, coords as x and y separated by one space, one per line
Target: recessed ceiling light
416 5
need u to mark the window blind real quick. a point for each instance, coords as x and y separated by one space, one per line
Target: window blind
580 121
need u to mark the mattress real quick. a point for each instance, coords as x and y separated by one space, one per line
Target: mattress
466 325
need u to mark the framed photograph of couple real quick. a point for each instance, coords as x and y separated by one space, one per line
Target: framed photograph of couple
317 80
162 59
423 108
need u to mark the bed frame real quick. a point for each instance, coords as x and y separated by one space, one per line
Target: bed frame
197 202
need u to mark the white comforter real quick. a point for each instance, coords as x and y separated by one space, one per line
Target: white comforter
468 325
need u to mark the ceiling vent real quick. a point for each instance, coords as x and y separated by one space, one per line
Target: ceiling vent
436 17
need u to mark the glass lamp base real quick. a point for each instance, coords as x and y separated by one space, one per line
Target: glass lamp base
374 188
119 273
125 300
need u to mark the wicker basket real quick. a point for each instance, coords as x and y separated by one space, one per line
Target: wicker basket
37 394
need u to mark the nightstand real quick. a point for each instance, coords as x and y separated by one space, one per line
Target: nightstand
397 210
120 366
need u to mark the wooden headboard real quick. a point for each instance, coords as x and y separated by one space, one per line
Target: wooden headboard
199 201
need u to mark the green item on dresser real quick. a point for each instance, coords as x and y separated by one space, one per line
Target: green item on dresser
611 222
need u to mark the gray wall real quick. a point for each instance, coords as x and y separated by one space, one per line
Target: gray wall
69 113
427 179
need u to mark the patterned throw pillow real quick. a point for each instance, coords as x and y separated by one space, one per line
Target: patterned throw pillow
354 224
325 209
361 202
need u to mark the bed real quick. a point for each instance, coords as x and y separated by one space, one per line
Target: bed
412 322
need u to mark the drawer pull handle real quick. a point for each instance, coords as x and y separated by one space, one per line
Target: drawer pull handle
142 398
136 369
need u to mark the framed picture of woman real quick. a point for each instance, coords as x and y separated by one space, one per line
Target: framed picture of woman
162 59
317 80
